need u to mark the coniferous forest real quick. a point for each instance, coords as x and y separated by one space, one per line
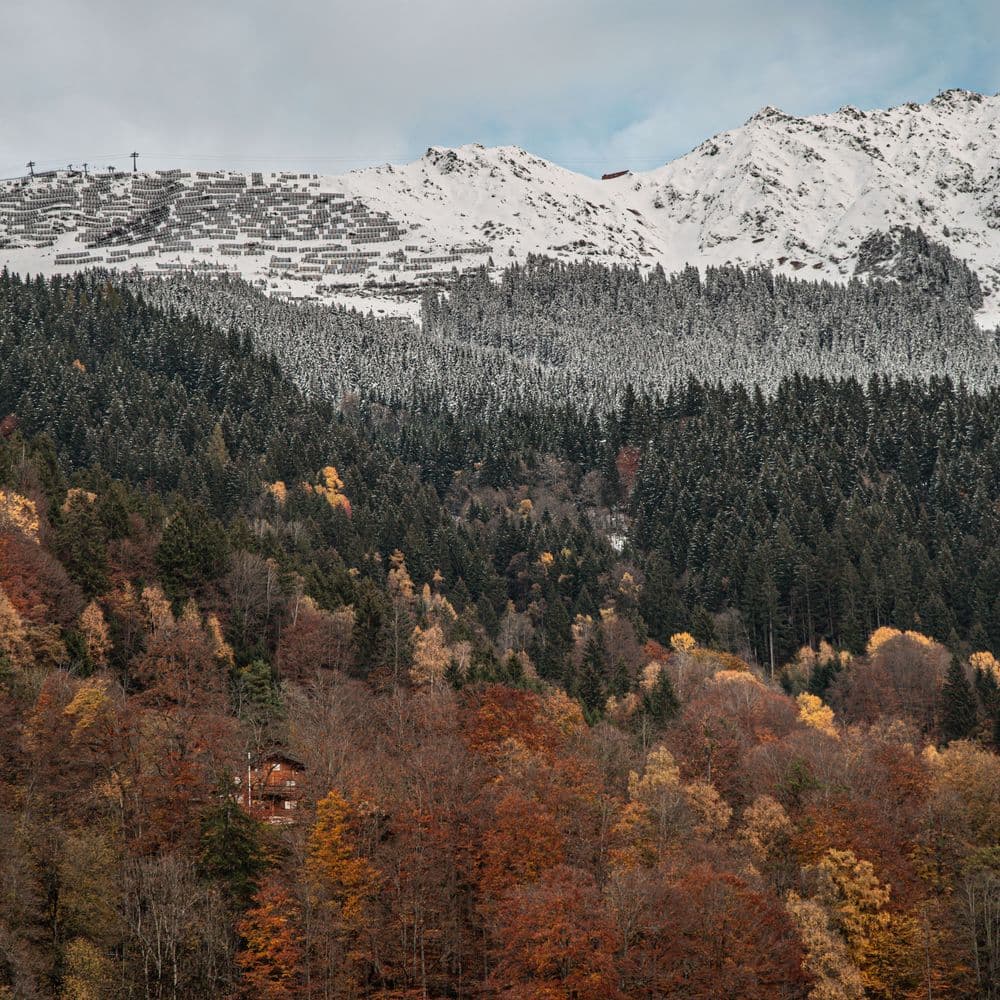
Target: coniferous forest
622 636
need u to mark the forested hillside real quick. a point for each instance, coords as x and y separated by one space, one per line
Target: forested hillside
584 333
647 687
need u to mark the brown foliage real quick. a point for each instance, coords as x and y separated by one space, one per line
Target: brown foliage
316 639
556 941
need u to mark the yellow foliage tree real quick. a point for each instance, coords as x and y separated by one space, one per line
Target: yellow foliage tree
94 629
73 494
221 649
158 612
563 712
827 959
399 580
87 708
13 637
279 491
765 824
881 943
986 663
651 674
431 656
815 714
340 879
89 972
885 634
797 674
331 486
712 812
661 807
966 786
682 642
18 513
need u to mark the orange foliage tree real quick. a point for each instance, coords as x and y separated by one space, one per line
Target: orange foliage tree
271 960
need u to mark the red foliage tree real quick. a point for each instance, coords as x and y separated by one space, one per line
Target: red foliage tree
556 941
711 935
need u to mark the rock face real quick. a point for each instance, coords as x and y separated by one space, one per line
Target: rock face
802 195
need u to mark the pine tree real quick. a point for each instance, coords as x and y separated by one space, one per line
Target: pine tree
958 704
80 541
231 850
660 702
590 680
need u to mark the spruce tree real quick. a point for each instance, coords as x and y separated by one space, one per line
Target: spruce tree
958 704
231 850
660 702
590 679
80 541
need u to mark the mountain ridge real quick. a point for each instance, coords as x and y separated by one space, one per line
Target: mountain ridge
797 194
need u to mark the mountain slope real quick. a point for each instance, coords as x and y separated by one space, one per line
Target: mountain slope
798 194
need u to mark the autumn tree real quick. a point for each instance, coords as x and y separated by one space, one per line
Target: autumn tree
95 633
14 649
827 960
881 941
431 655
815 714
556 941
315 639
723 938
340 883
271 960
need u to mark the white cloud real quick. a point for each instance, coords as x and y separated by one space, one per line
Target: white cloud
331 85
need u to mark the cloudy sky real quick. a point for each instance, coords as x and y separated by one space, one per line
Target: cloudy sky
328 85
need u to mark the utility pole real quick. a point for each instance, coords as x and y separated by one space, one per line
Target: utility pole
31 167
135 156
84 168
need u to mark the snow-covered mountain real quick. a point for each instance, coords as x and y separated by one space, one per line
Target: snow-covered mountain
799 194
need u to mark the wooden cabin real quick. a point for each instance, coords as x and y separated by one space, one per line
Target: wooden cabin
271 788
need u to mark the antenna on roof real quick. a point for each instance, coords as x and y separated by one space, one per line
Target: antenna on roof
134 156
31 167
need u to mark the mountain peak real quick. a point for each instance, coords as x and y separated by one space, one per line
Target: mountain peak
956 96
768 113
